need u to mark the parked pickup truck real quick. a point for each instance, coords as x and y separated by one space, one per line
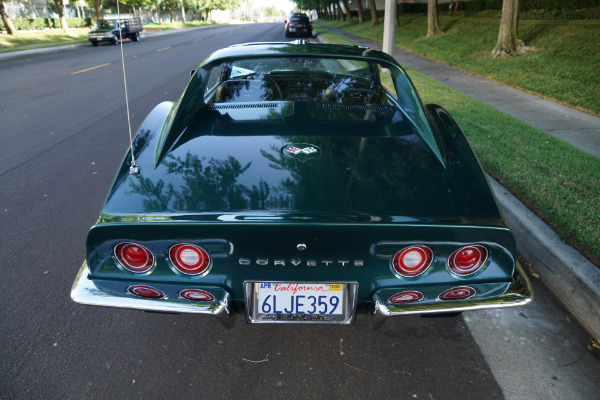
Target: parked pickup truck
107 29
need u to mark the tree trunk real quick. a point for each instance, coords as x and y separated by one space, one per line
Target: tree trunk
433 27
508 40
347 7
171 14
8 25
98 9
374 17
361 12
340 14
61 14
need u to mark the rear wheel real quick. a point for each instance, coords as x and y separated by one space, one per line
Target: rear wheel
135 37
94 42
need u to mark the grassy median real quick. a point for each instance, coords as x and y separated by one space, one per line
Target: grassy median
563 68
57 37
556 180
44 38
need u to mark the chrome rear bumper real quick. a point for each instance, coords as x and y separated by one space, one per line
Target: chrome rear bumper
519 293
85 292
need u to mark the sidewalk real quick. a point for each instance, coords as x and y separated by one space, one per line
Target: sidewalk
573 278
575 127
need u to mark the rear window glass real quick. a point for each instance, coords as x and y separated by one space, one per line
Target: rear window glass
296 79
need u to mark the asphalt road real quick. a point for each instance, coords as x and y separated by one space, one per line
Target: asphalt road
64 130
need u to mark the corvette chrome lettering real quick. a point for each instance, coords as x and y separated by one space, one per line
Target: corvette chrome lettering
296 262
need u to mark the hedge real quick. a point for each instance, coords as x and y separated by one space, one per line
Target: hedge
31 24
529 9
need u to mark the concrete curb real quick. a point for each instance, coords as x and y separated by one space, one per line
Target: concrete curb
571 276
574 279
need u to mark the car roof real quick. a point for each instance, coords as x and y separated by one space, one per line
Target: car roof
298 48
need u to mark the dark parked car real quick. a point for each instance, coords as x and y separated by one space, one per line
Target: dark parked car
111 29
298 25
300 183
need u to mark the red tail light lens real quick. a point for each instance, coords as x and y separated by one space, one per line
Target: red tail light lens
467 260
196 295
147 292
412 261
408 296
134 257
189 259
458 293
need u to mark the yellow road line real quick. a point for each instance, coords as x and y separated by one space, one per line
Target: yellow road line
166 48
197 40
89 69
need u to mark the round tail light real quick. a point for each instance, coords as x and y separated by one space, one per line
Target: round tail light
408 296
458 293
412 261
189 259
147 292
134 257
467 260
196 295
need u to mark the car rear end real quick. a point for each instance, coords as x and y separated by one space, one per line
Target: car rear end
298 26
299 271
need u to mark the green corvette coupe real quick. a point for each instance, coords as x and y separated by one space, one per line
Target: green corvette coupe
300 183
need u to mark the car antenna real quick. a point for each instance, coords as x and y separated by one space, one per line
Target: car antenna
133 169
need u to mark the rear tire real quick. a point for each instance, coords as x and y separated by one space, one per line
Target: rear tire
94 42
135 37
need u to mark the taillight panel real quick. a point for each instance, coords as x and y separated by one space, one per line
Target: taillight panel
418 260
189 259
467 260
134 257
412 261
458 293
407 296
196 295
146 292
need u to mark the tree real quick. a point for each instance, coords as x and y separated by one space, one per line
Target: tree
433 27
10 28
361 12
340 14
171 5
508 38
60 7
98 9
374 17
347 9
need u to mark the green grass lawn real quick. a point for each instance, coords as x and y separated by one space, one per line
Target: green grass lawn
45 38
564 67
558 181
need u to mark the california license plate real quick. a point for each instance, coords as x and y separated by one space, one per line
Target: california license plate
295 302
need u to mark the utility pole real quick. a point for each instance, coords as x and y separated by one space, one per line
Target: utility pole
389 26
